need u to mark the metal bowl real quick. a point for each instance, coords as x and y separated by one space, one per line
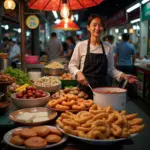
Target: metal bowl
53 72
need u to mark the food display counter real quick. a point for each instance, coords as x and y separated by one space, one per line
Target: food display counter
143 88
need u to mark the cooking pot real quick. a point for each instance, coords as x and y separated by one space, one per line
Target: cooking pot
4 63
113 96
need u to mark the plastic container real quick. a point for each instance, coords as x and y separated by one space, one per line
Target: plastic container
34 75
65 83
31 59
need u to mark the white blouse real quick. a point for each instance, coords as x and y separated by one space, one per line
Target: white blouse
78 58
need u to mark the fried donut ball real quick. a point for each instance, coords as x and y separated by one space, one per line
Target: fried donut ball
27 133
16 132
41 130
35 142
17 140
55 131
52 138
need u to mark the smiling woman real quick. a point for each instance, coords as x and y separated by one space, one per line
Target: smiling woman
92 59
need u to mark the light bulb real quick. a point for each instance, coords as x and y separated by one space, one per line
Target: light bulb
64 11
9 4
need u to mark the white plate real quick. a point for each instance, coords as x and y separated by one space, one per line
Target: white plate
8 135
96 142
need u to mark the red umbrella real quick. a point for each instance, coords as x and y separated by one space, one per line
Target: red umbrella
66 25
56 5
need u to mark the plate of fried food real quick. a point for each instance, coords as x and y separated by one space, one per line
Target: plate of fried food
70 102
100 125
40 137
33 116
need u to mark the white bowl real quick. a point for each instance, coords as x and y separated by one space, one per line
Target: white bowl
49 88
26 103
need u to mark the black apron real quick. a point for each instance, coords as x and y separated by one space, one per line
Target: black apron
95 70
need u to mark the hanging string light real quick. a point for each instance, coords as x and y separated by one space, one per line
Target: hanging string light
64 12
9 4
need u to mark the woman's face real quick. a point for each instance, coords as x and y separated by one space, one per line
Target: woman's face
95 28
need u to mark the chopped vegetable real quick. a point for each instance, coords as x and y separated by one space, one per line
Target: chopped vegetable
21 76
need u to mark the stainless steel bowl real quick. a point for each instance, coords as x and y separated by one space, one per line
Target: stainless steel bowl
53 72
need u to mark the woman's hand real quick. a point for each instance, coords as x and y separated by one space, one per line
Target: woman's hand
81 79
130 78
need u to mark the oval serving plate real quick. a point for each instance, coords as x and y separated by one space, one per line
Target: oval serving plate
51 115
96 142
8 135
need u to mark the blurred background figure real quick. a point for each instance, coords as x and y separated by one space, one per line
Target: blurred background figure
77 38
110 40
14 53
42 49
4 47
125 55
55 48
70 46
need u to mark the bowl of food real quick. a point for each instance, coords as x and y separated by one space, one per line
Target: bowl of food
113 96
54 69
48 84
31 97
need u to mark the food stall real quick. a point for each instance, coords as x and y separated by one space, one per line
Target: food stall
43 114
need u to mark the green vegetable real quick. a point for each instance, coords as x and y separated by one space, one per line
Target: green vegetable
21 76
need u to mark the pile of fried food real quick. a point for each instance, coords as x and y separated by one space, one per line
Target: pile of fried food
100 123
72 90
36 137
66 76
70 102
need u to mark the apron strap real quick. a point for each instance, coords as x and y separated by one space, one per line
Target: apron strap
88 47
102 47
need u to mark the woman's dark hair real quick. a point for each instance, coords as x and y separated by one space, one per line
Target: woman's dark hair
93 16
70 38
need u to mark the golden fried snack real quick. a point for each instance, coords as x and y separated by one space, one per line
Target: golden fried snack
136 128
96 135
79 106
35 142
53 103
131 116
55 131
70 122
83 129
17 140
16 132
52 138
95 109
100 123
82 134
60 123
136 121
116 130
41 130
68 102
70 130
61 107
27 133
